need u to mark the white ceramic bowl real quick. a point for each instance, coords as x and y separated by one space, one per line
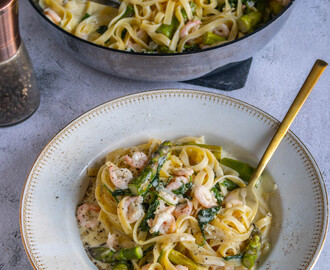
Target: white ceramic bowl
57 180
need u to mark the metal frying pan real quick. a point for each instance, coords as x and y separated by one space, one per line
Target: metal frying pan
164 67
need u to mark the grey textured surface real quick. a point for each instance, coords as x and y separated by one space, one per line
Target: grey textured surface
69 88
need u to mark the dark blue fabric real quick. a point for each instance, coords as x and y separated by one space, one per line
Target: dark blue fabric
230 77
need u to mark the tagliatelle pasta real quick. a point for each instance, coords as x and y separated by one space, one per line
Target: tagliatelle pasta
161 26
165 204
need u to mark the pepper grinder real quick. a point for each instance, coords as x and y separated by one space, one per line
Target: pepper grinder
19 93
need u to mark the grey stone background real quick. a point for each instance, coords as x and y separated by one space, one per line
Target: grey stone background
68 88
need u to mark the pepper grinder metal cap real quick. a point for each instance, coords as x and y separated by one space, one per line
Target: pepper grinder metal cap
10 39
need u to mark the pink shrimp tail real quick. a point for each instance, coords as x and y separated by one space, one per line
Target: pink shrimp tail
189 25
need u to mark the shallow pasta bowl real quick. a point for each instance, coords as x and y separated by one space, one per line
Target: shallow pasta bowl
57 180
164 67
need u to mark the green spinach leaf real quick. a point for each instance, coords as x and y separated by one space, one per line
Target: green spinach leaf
205 216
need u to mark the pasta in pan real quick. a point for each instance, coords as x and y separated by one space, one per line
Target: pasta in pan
165 205
161 26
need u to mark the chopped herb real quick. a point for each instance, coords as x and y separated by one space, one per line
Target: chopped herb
183 189
169 203
102 29
205 216
121 192
85 17
230 185
118 192
216 191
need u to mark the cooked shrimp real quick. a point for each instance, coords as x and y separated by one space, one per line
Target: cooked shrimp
120 177
177 182
141 34
181 267
138 160
188 27
232 199
183 172
204 196
134 208
183 209
167 195
52 15
222 30
136 47
85 215
164 221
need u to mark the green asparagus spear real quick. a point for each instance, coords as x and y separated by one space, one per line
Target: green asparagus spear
141 183
120 192
245 170
252 249
275 7
108 255
169 29
121 266
248 21
193 10
150 214
211 38
178 258
128 254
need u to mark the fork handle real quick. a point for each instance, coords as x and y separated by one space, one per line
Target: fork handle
305 90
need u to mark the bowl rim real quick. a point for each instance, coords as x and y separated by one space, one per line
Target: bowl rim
38 9
318 249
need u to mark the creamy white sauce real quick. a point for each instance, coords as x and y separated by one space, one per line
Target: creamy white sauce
93 237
